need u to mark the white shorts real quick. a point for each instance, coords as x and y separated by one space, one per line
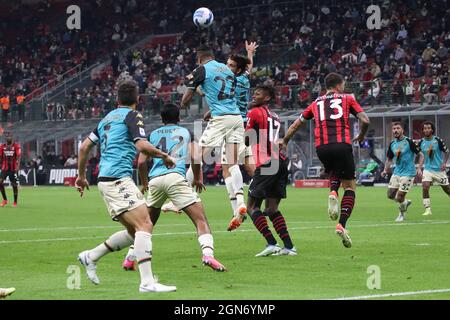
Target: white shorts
244 152
439 178
120 196
173 186
404 184
223 129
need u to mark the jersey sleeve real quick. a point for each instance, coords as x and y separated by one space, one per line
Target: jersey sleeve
442 146
196 78
94 136
354 106
308 114
390 154
135 123
413 146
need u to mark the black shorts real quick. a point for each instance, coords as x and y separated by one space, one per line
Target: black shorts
337 159
11 174
266 185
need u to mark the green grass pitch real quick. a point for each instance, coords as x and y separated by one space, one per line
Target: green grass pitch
41 239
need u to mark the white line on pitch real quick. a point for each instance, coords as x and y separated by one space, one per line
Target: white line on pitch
118 226
395 294
221 231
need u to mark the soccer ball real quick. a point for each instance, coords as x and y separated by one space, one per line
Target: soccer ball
203 18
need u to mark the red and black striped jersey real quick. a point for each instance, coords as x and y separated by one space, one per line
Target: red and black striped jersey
9 156
266 125
331 114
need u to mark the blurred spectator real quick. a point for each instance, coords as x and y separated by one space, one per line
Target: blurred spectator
6 104
72 161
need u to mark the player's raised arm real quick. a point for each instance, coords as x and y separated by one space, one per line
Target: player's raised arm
194 80
251 50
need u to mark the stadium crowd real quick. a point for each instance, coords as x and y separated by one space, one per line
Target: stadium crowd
300 43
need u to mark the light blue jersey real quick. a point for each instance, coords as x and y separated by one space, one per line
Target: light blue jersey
117 133
218 83
403 152
432 150
175 141
243 94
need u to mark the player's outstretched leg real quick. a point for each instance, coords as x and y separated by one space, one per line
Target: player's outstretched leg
333 197
2 190
89 258
196 213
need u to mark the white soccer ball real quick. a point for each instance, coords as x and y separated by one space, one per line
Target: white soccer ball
203 18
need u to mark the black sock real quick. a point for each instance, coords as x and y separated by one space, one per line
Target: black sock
347 204
279 223
335 183
260 223
2 189
16 193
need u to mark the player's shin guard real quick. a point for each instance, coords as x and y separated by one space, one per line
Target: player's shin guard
279 223
347 204
206 242
143 252
335 183
116 242
238 184
260 222
231 193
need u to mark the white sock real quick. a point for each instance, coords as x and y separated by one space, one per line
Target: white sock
116 242
231 193
238 184
130 254
207 244
143 252
427 203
